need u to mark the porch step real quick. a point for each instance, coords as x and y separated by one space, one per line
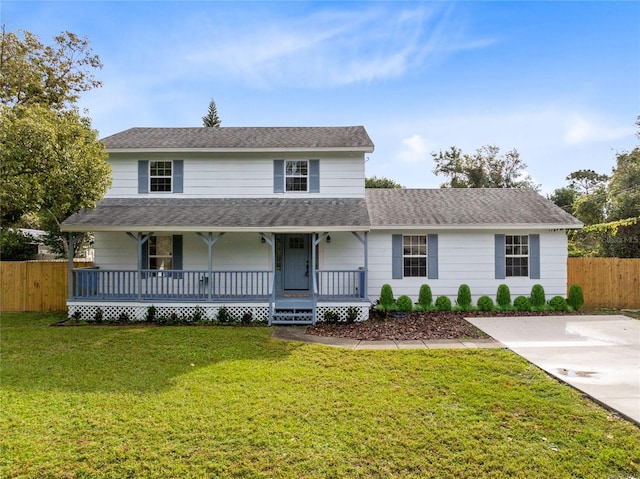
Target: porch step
292 316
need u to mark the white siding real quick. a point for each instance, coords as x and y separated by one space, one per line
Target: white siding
234 251
237 176
467 257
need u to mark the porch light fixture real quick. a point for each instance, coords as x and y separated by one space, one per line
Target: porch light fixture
262 240
328 239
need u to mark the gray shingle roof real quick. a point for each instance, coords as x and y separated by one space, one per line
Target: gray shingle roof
472 207
229 138
143 214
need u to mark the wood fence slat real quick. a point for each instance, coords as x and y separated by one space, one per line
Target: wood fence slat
38 286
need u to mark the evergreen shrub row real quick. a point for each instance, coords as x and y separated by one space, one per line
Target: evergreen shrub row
535 302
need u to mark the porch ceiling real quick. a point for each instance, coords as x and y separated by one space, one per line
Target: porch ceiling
219 214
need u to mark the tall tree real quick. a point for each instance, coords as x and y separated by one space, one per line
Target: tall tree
211 119
32 73
487 168
586 181
51 162
375 182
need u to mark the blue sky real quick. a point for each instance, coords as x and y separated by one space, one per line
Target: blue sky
558 81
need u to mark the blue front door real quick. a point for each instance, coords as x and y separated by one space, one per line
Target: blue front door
296 262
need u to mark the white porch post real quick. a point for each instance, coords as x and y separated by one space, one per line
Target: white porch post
140 240
365 280
209 240
71 246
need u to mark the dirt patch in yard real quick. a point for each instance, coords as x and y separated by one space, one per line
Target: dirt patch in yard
415 325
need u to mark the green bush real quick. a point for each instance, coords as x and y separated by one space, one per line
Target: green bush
576 298
464 297
386 296
503 297
352 314
331 316
485 303
425 298
443 303
538 299
521 303
151 314
558 303
404 303
224 316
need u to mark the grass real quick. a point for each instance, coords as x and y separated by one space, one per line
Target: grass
191 401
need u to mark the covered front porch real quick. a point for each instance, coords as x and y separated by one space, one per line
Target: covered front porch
280 259
292 291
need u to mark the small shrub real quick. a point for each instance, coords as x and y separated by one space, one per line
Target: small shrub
443 303
331 316
404 303
123 318
521 303
77 315
558 303
485 303
576 297
151 314
247 318
538 299
425 298
352 314
99 314
464 297
223 316
198 315
503 297
386 296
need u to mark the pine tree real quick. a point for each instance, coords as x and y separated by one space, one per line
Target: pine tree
211 120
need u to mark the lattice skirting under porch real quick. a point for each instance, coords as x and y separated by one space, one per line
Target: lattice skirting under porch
139 312
259 312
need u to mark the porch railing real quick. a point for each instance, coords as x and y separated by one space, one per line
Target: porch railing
340 284
182 285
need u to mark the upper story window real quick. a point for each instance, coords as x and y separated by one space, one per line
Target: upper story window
517 255
160 176
414 255
296 175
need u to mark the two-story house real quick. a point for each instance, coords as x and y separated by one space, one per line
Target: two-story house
276 223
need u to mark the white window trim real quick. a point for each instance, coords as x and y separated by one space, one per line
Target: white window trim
507 256
307 177
425 256
170 176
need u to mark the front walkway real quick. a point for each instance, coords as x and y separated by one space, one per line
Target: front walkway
598 355
298 333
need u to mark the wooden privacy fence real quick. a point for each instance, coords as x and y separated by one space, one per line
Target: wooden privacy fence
35 285
606 282
42 285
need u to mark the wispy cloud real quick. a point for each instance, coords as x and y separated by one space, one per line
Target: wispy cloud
328 48
587 129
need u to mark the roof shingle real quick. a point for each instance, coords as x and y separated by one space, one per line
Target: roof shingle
229 138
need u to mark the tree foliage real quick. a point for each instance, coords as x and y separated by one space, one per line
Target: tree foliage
32 73
486 168
609 206
211 119
51 162
375 182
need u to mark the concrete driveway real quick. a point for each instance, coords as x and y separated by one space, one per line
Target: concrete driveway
599 355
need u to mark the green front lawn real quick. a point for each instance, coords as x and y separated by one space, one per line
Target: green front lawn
192 401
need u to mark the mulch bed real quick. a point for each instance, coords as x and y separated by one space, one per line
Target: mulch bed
416 325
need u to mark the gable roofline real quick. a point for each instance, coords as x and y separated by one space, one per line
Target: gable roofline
239 150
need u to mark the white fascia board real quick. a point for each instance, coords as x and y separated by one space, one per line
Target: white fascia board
363 149
502 226
194 229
